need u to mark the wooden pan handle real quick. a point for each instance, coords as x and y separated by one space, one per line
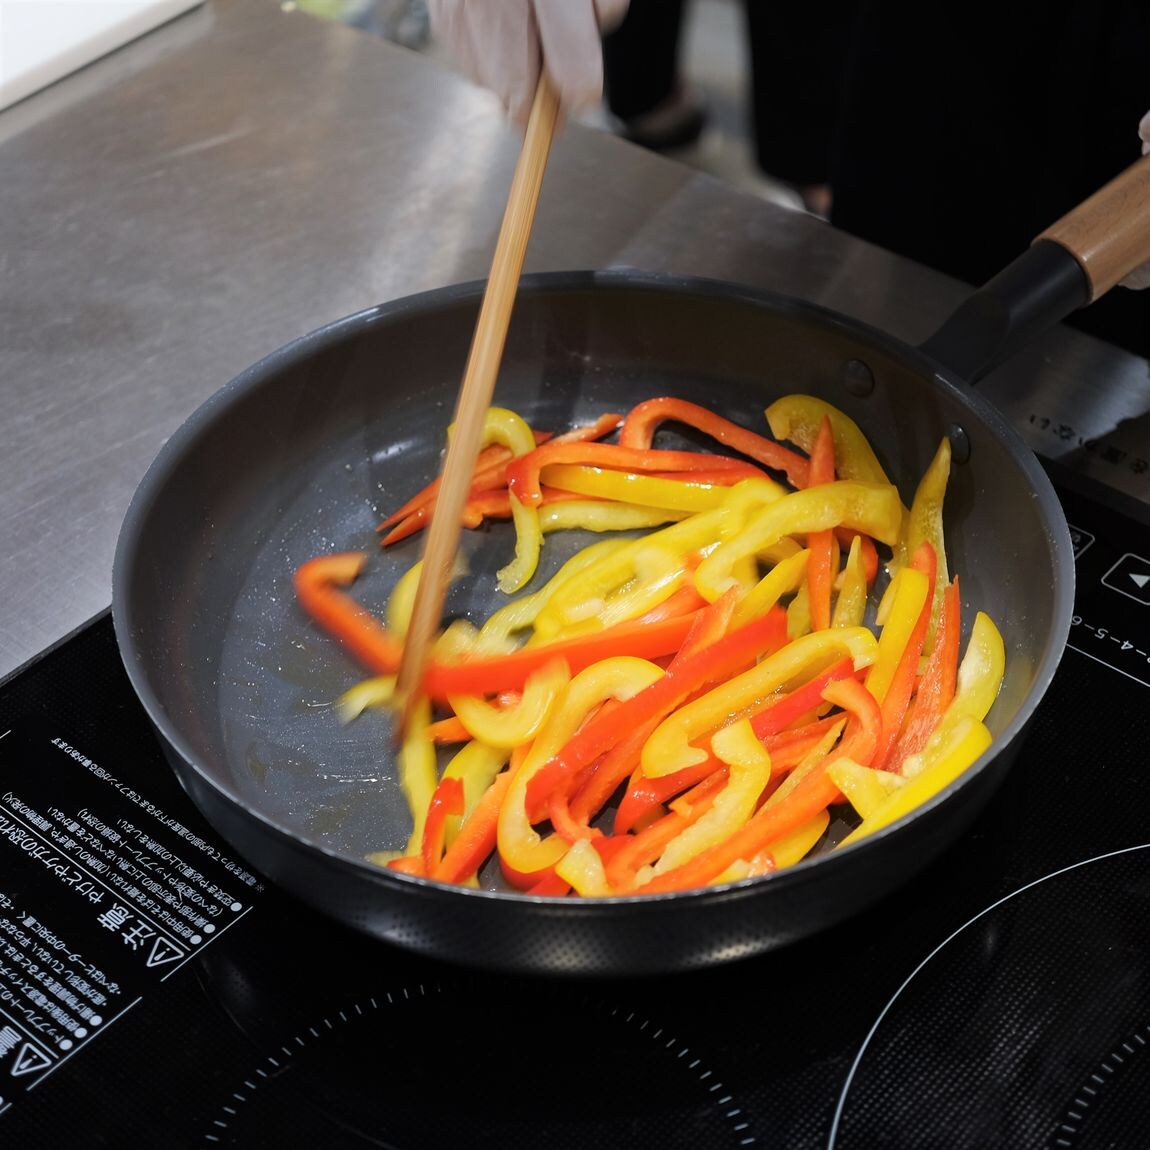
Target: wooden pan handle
1109 233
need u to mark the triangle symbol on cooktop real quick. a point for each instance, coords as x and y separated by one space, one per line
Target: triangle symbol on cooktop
1141 580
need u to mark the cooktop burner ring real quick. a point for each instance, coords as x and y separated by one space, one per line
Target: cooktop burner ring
1001 937
390 1122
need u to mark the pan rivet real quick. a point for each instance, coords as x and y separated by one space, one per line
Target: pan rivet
959 443
858 379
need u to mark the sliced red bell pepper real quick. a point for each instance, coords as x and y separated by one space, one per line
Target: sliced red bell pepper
813 793
897 697
845 536
476 838
645 793
593 789
685 601
602 426
789 748
565 824
936 687
317 585
820 565
447 800
710 626
550 884
645 847
731 653
482 504
639 429
523 473
482 676
795 704
490 466
490 458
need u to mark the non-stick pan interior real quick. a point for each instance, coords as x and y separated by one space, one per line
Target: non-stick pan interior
305 453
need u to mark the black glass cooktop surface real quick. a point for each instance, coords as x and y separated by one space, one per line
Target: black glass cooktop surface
155 991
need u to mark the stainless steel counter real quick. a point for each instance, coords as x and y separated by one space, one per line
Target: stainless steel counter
245 174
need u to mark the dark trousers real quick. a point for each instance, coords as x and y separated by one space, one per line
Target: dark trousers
951 133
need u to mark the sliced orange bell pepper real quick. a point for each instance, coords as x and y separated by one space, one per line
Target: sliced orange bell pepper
639 429
317 584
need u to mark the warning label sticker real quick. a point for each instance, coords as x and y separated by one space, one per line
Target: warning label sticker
103 895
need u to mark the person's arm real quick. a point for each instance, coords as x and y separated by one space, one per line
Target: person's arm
501 44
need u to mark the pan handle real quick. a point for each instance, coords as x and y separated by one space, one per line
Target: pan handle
1072 263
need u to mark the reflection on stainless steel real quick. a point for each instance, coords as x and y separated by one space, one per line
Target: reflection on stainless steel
245 174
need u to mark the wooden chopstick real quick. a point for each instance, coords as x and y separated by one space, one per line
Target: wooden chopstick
475 398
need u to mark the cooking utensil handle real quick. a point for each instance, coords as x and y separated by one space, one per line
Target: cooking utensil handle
1072 263
475 395
1109 233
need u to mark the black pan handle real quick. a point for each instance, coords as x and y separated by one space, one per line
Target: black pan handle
1073 263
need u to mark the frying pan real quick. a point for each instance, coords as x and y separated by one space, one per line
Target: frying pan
307 450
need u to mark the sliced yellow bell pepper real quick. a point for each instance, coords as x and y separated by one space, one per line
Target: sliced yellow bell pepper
417 771
496 632
582 867
509 726
981 670
750 771
910 589
475 764
864 787
799 613
850 602
583 594
376 692
794 846
528 540
797 418
786 576
964 742
588 515
520 845
669 748
633 487
873 509
402 600
503 426
924 522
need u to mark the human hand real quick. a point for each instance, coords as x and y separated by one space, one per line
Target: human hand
500 44
1140 277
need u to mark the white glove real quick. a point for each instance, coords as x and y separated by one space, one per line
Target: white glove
500 43
1140 277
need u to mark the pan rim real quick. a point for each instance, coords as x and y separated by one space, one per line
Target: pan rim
559 282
